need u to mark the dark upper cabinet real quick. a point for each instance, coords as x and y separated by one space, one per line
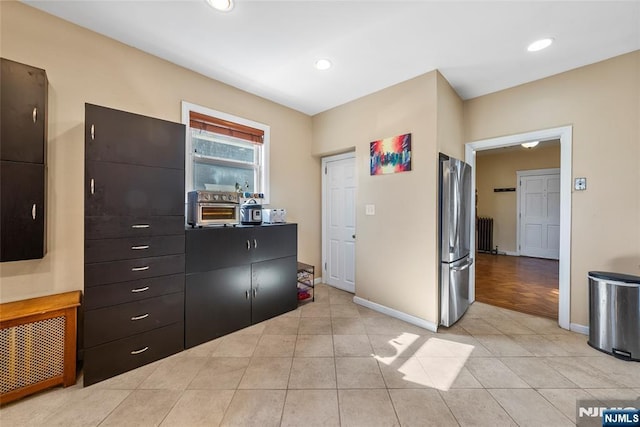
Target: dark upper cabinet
22 219
274 241
23 101
23 127
123 189
118 136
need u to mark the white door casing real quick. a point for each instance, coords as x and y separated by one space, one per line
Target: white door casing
565 135
339 221
538 200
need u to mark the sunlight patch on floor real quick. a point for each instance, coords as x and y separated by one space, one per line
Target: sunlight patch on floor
435 364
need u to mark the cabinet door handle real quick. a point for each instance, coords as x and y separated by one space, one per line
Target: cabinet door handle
135 291
140 247
35 114
93 132
93 186
246 294
33 211
255 292
141 226
142 350
248 245
142 316
255 243
146 267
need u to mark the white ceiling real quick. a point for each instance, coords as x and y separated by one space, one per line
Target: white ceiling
268 48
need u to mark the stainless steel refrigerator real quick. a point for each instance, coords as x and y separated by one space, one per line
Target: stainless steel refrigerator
455 234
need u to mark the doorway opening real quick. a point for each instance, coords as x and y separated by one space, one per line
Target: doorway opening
564 135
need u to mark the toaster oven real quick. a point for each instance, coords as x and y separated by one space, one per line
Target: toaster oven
212 208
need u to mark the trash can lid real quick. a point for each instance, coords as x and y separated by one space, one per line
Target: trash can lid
618 277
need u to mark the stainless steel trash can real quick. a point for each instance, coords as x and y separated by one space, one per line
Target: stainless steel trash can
614 314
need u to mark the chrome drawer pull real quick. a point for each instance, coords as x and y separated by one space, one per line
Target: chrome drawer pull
255 243
146 288
93 132
146 267
35 114
246 294
33 211
255 292
248 245
140 226
142 316
142 350
137 248
93 186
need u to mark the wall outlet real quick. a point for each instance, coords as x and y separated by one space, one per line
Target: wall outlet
580 184
370 209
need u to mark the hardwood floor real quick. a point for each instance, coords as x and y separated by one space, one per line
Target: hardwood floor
528 285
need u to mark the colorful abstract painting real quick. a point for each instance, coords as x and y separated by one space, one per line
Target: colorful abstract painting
390 155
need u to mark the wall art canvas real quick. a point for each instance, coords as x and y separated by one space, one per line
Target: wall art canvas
390 155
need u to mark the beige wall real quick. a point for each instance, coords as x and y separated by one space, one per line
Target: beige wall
83 66
498 169
396 262
601 102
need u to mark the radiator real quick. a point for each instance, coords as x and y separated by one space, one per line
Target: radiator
484 228
37 344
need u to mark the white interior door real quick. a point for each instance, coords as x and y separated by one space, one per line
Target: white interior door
539 214
339 221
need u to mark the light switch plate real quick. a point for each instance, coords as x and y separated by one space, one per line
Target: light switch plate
370 209
580 184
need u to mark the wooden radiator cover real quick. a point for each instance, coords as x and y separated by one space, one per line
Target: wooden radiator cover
37 344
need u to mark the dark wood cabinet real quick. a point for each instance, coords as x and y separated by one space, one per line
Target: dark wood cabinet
23 102
123 137
23 126
23 211
226 290
134 241
217 302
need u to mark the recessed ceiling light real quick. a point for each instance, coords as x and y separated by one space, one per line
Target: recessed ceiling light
323 64
530 144
221 5
540 44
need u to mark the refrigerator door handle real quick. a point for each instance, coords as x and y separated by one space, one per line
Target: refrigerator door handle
464 267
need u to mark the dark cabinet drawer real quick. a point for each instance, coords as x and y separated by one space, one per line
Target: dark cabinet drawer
116 357
217 303
136 290
121 189
22 216
107 227
102 273
118 136
119 321
132 247
23 100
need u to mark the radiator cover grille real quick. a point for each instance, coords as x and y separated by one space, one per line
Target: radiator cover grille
31 353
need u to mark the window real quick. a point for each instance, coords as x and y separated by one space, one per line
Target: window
225 153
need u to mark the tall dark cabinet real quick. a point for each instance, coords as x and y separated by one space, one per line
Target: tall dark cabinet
134 241
237 277
23 135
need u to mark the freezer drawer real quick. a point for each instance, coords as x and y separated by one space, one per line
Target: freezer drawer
454 292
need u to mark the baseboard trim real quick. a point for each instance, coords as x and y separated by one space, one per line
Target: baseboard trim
511 253
317 280
397 314
581 329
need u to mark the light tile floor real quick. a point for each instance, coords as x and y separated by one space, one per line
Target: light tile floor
333 363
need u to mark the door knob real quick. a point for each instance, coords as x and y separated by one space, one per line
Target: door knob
353 236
